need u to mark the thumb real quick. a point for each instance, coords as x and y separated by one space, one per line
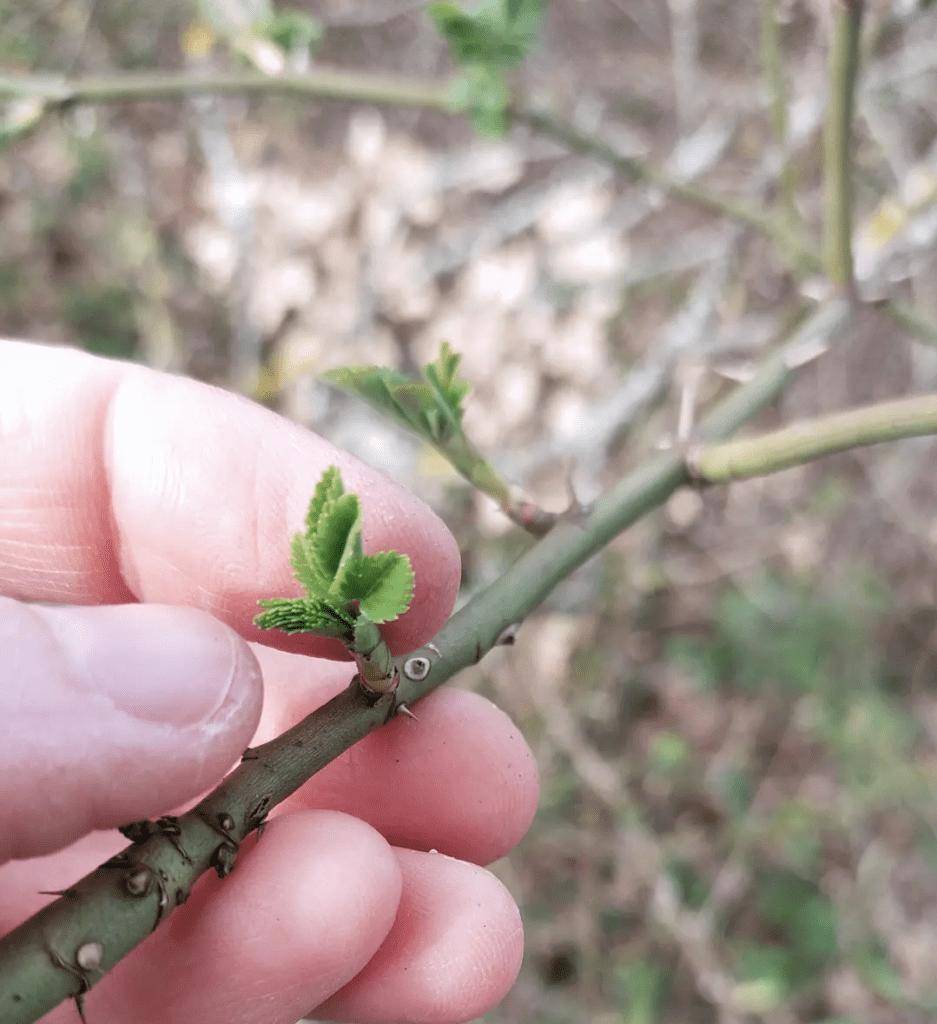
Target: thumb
114 713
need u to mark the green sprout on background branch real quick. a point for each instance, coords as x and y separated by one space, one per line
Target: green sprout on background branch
432 409
485 43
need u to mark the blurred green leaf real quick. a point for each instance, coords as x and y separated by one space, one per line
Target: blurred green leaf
669 753
431 408
878 972
806 918
103 317
763 993
734 787
496 34
640 988
692 888
487 98
292 29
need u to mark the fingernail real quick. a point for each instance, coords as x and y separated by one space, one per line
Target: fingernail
156 662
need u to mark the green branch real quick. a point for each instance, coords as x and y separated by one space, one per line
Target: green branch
319 83
837 157
63 950
911 320
804 442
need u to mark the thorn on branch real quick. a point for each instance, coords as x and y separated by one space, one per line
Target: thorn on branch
161 879
169 828
88 959
138 832
508 635
225 855
257 814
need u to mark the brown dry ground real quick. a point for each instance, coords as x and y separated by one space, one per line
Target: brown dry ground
733 707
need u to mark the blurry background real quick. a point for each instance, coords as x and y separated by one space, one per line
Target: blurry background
733 707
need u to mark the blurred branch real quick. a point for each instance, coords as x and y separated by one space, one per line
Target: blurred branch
236 208
804 442
912 321
772 63
685 53
320 83
792 248
837 158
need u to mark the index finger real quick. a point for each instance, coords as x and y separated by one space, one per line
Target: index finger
118 483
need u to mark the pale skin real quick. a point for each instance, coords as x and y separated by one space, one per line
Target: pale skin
175 502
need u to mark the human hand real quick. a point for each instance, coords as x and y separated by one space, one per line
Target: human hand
171 500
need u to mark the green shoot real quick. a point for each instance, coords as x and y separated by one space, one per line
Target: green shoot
431 408
485 42
347 592
292 29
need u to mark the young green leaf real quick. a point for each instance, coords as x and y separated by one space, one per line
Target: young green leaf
305 615
425 412
444 378
344 587
376 385
487 98
292 29
525 18
303 547
381 583
496 35
431 408
328 489
337 539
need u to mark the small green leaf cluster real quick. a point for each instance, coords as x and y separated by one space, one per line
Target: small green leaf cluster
486 42
344 587
292 30
431 408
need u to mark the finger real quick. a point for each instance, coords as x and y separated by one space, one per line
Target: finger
119 483
461 779
115 713
302 913
452 954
